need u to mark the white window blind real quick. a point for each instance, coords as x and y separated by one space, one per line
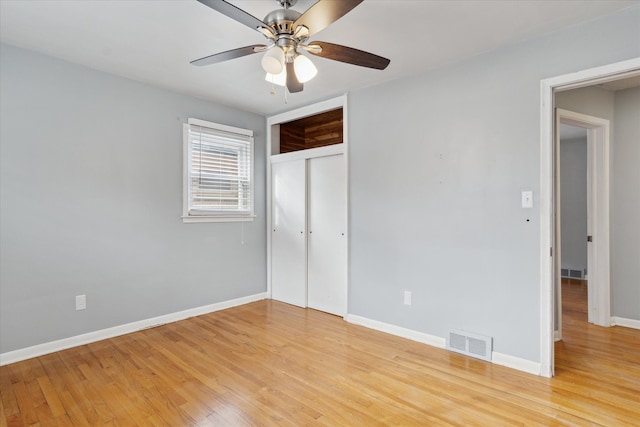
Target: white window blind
219 163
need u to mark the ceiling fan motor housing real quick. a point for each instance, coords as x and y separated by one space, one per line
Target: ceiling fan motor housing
281 20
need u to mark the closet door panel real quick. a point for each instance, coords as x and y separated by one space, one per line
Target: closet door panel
327 269
288 233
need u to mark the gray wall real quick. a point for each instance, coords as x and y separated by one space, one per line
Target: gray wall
437 164
625 206
573 202
91 186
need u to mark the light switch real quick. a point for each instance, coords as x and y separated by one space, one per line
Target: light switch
81 302
407 297
527 199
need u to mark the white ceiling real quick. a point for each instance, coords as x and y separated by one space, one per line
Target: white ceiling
153 41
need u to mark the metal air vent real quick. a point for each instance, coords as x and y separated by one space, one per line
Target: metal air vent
470 344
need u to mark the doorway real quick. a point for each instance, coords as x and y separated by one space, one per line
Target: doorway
588 240
548 293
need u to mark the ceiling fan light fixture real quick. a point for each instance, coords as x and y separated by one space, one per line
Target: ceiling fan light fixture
287 32
273 61
277 79
304 68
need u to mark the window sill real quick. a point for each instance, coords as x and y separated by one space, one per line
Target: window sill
216 218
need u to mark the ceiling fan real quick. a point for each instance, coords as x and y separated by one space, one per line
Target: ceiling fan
287 32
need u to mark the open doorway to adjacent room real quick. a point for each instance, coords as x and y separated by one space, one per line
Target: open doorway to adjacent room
609 279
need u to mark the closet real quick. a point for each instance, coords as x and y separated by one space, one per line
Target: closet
308 217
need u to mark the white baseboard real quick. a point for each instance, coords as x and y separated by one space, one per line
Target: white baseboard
498 358
514 362
556 336
627 323
53 346
397 330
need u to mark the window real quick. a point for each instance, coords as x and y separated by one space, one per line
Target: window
218 172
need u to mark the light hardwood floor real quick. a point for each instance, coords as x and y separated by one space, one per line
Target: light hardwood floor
269 363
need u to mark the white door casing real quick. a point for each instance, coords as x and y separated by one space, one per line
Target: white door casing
557 241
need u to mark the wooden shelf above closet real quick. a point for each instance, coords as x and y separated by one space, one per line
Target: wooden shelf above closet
311 132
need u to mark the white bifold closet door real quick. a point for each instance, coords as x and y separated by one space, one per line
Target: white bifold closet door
289 232
326 245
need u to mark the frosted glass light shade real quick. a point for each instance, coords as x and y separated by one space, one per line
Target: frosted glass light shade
273 61
277 79
304 68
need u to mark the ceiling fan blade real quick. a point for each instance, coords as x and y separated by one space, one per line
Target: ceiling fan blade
348 55
292 80
234 13
229 54
323 13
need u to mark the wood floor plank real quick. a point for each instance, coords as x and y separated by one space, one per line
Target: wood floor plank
272 364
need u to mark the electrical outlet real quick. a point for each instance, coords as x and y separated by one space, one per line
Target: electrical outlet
407 297
81 302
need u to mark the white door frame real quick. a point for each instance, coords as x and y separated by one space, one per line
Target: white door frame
598 178
547 88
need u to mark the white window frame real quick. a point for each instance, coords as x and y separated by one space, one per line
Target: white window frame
214 215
